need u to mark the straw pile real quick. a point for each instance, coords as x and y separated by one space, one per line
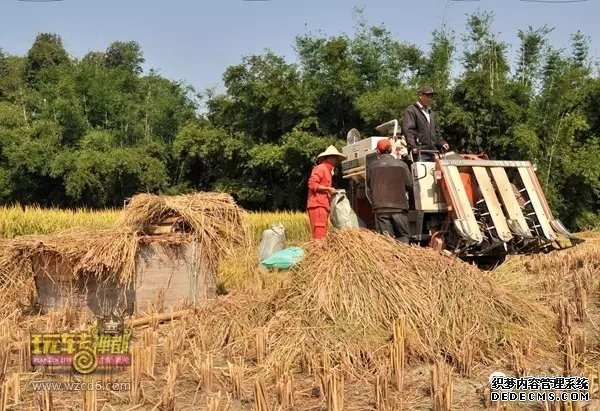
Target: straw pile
214 218
349 292
370 281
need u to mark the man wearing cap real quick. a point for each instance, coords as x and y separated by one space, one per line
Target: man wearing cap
388 180
420 128
320 190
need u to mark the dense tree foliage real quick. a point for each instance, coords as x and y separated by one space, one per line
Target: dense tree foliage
97 130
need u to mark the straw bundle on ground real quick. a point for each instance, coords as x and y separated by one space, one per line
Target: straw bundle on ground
216 223
214 219
78 251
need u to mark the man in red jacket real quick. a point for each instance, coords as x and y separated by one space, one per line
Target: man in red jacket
320 190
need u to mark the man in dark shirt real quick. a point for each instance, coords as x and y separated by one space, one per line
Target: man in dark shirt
420 128
388 180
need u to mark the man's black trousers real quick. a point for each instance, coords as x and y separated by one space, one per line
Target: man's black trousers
394 224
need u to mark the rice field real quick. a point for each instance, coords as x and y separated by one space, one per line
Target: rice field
363 324
17 221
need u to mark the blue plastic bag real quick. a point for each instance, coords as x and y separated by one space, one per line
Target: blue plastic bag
284 259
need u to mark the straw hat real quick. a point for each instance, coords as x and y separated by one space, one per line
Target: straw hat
331 151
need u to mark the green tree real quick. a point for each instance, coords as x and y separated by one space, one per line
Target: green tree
125 55
264 98
47 51
531 48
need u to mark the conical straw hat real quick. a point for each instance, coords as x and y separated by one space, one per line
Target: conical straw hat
331 151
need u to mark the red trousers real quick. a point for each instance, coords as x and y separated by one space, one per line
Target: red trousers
318 217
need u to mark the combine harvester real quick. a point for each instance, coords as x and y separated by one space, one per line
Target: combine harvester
478 209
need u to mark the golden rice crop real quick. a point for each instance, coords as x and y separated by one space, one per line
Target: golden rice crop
296 225
31 220
17 221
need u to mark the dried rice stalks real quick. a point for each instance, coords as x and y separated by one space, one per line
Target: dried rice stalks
345 296
90 399
216 221
382 401
103 253
229 322
44 400
167 401
284 381
24 356
5 341
360 281
115 253
136 369
441 387
397 353
518 358
236 374
334 390
4 395
207 373
11 385
215 403
261 346
260 396
149 344
173 343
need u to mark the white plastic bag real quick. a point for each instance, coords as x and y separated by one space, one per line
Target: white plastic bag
273 240
341 214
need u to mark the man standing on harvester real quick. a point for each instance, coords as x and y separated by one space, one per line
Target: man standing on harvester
388 180
420 128
320 190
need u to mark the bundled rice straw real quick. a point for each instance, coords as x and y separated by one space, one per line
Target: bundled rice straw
80 251
216 221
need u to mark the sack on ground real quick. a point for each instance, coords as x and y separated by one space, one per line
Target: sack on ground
341 214
284 259
273 240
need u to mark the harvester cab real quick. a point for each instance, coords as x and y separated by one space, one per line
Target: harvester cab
478 209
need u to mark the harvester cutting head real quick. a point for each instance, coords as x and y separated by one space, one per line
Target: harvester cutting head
498 205
473 207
